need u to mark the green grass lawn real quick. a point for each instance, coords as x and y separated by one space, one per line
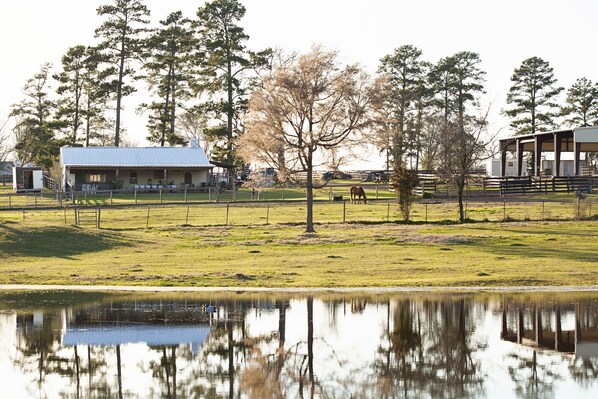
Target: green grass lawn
42 249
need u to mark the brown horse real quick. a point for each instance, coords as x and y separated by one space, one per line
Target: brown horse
356 194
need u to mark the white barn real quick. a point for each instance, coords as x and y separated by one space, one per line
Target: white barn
106 168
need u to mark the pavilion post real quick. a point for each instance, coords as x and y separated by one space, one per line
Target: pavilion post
537 155
519 146
576 156
503 159
556 168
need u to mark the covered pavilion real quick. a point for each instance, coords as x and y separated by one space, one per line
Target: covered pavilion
584 139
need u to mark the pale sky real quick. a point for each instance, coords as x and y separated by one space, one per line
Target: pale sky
503 32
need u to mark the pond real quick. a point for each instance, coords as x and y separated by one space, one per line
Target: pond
332 345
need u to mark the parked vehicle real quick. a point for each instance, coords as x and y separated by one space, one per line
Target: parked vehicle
378 177
336 174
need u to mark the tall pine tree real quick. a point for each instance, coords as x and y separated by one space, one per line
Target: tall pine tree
405 79
34 130
460 80
122 44
70 91
224 74
170 51
581 104
533 96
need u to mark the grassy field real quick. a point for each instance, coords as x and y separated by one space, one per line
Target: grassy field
42 249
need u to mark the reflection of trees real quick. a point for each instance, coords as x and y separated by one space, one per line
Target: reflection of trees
426 348
533 379
435 358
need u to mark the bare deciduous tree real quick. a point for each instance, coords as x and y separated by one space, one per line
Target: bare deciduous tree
306 106
463 148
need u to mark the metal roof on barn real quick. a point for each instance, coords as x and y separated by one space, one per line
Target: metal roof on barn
134 157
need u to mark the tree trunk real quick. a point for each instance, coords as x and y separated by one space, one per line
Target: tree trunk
165 115
88 120
309 222
77 106
231 360
121 70
119 372
310 344
229 111
460 187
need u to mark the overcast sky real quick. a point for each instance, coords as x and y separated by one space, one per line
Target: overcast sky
504 33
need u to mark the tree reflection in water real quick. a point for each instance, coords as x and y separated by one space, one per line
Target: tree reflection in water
403 346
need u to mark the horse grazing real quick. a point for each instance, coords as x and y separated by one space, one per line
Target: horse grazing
356 194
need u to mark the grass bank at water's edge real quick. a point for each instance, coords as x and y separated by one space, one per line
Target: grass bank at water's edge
339 255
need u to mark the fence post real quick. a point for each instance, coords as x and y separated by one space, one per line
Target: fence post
227 209
75 214
23 214
590 210
376 191
99 217
283 192
187 216
504 210
35 199
426 212
110 197
135 196
330 194
344 210
543 209
185 195
160 195
209 194
10 201
147 219
86 201
64 210
388 212
267 213
578 209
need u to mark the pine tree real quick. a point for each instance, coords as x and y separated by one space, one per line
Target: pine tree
34 130
460 81
581 108
533 95
70 103
404 94
121 43
169 71
225 68
97 88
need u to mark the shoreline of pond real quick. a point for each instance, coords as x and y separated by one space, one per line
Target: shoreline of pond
289 290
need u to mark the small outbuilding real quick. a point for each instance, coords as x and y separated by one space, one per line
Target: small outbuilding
91 169
27 178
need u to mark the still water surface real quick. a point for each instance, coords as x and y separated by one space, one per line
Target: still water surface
65 345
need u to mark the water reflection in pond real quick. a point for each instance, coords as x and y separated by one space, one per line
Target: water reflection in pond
331 346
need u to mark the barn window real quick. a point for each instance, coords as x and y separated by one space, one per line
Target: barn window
133 178
95 178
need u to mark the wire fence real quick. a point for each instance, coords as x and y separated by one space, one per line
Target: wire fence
263 213
166 196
